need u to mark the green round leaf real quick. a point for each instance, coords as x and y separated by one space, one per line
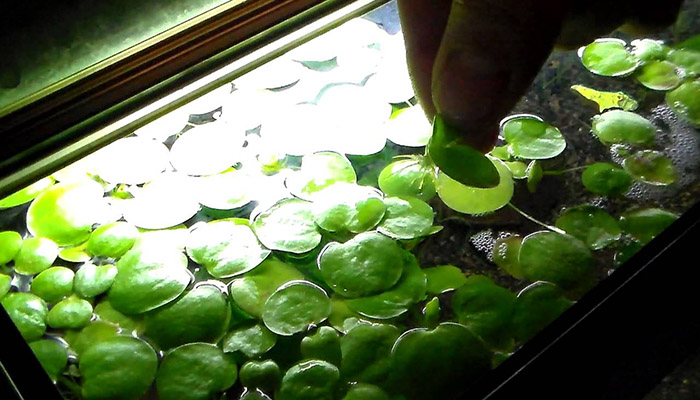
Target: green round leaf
148 277
322 345
341 313
206 150
252 290
195 371
53 284
537 305
121 367
295 306
66 212
27 194
659 75
618 126
518 169
412 177
92 280
366 352
93 333
224 191
369 263
35 255
531 138
201 315
75 254
164 202
553 257
472 200
406 218
506 253
225 248
687 59
606 179
252 340
106 312
348 207
485 308
28 312
646 224
112 240
131 160
5 285
647 50
651 167
408 290
363 391
288 226
590 224
460 162
444 278
455 358
71 313
319 171
608 57
626 251
10 243
313 379
685 101
52 355
264 375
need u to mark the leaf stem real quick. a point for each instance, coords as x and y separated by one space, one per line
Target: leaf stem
533 219
563 171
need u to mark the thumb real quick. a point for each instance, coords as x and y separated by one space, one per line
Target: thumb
490 52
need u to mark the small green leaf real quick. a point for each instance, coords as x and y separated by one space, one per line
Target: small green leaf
590 224
366 352
28 312
412 177
444 278
646 224
10 243
363 391
27 194
225 248
651 167
252 290
53 284
5 285
71 313
313 379
647 50
687 59
295 306
685 101
473 200
253 340
506 253
201 315
659 75
458 161
265 375
369 263
195 371
534 174
112 240
501 152
608 57
607 100
537 305
319 171
35 255
288 226
322 345
93 333
225 191
617 126
553 257
431 313
406 218
518 169
92 280
455 357
106 312
531 138
348 207
606 179
52 355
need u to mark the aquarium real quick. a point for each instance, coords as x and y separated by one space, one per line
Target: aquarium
303 231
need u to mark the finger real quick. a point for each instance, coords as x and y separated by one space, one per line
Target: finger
423 23
490 52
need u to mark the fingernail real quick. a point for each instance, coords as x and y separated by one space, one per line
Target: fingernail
468 92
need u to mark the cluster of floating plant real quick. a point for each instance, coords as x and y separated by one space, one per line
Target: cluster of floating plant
269 242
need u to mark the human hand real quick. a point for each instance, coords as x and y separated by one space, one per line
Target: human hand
472 60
